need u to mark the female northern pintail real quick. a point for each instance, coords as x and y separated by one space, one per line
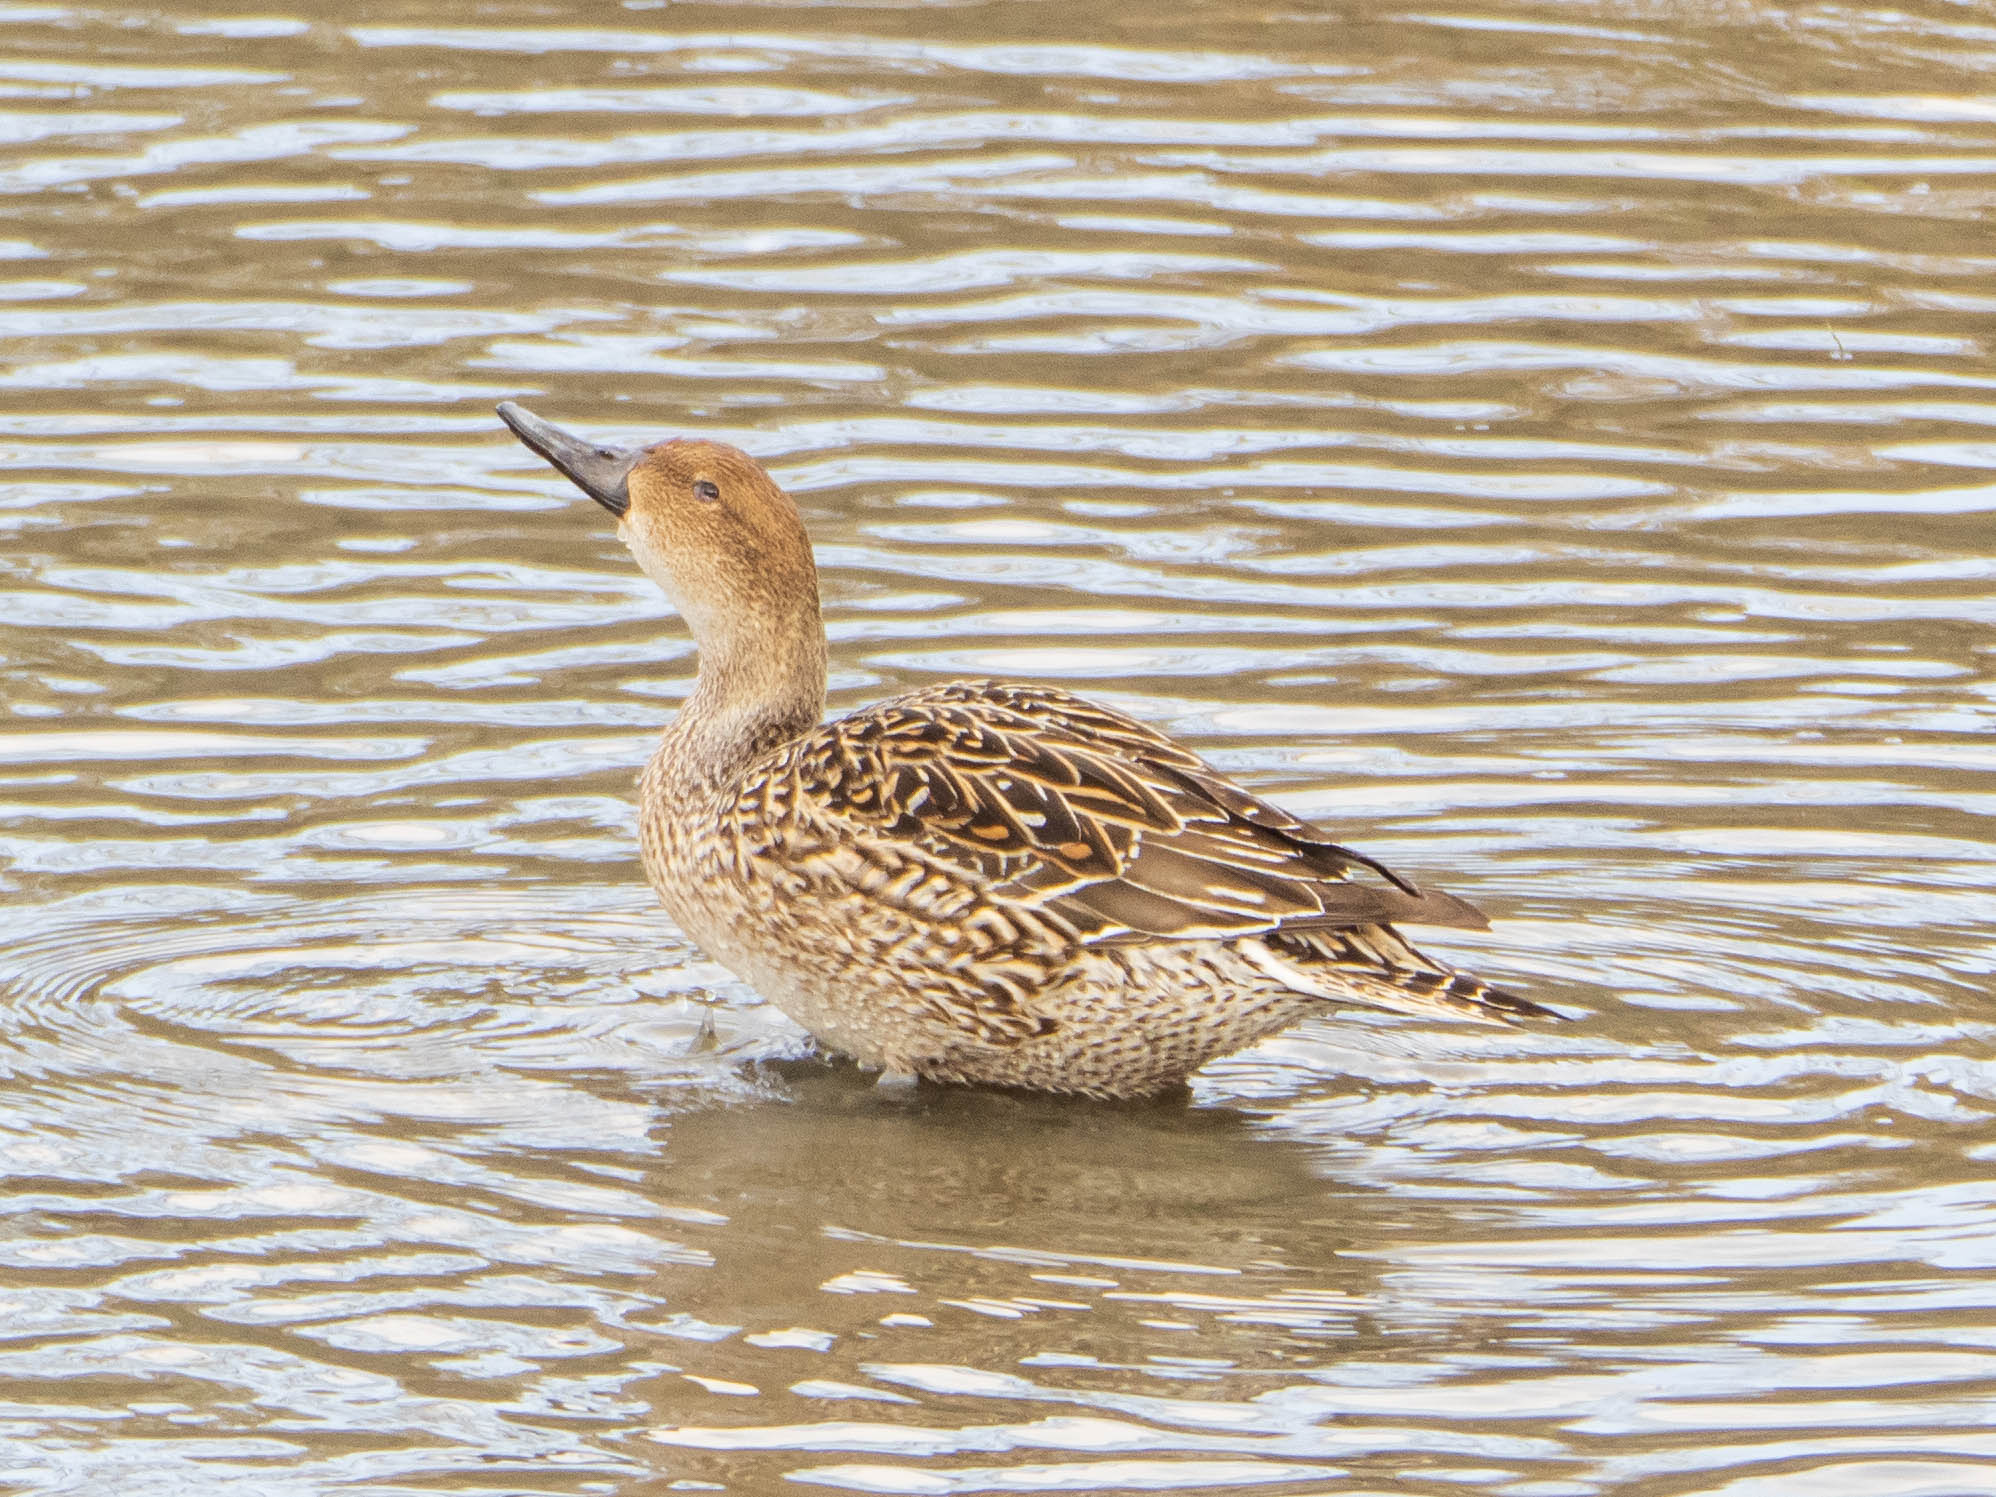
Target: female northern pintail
985 881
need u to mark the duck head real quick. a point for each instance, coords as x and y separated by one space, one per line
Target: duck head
723 542
703 519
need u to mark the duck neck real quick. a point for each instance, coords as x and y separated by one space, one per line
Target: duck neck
752 696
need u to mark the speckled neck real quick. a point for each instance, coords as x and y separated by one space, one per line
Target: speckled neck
759 687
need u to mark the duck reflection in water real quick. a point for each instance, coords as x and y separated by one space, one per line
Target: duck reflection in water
984 881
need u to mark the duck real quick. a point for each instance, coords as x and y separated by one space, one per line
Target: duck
985 882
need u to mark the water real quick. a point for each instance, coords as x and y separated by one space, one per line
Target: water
1551 443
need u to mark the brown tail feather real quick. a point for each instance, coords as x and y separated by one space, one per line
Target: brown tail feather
1374 966
1471 997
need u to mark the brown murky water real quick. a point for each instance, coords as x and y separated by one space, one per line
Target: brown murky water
1553 443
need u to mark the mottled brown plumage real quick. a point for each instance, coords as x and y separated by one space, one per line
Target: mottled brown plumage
985 881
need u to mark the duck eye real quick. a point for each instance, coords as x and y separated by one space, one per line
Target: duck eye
707 489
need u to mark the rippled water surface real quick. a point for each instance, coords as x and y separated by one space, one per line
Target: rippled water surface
1550 442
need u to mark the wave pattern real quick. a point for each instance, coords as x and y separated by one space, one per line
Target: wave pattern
1551 443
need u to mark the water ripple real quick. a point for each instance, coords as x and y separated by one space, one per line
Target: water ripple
1499 436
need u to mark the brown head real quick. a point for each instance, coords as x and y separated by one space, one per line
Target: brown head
726 545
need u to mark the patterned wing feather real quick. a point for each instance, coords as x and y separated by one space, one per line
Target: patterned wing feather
1067 809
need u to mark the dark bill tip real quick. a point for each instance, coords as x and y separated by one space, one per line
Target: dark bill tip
603 473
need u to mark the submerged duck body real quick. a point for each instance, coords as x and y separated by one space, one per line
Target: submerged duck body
986 881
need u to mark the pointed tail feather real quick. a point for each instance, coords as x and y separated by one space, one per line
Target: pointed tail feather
1374 966
1450 995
